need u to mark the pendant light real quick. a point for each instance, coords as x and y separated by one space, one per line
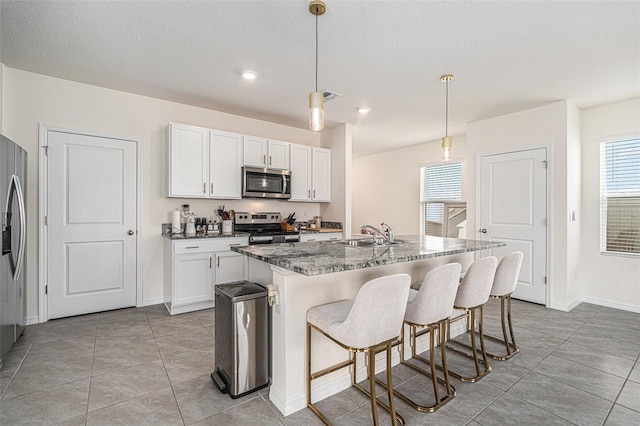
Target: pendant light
446 142
316 99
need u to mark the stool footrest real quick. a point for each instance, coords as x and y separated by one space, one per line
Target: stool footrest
330 369
382 404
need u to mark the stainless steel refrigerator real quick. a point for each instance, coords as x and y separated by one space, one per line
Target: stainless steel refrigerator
13 172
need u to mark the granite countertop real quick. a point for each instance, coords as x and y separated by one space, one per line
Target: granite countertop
325 257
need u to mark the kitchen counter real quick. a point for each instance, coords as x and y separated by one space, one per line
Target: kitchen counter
309 274
325 257
166 232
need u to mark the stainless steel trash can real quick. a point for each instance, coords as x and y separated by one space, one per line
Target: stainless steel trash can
241 339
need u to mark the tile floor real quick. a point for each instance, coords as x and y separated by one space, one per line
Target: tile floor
142 366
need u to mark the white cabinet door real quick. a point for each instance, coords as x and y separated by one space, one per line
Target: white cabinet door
278 155
229 267
300 167
192 280
255 151
188 161
225 161
321 180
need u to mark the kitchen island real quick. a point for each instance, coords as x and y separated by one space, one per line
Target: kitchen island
314 273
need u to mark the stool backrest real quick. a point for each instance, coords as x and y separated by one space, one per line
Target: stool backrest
378 309
507 274
476 285
434 301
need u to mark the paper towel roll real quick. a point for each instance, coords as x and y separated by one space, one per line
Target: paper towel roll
176 228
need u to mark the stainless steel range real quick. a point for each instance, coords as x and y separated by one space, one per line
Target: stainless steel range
264 228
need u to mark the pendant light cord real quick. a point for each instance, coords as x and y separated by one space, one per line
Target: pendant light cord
446 113
316 53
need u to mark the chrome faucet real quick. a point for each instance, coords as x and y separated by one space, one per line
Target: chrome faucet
388 236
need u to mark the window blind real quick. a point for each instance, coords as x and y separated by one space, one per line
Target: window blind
620 196
440 182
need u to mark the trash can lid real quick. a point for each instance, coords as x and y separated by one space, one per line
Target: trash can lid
241 290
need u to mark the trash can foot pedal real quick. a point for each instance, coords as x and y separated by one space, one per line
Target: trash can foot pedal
217 380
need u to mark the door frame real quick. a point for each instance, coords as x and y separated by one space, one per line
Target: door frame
43 130
547 148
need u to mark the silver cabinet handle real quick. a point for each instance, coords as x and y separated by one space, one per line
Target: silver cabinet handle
212 187
204 188
192 247
234 245
314 193
218 261
309 193
264 159
270 162
483 230
130 232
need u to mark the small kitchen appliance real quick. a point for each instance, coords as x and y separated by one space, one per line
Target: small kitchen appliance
266 183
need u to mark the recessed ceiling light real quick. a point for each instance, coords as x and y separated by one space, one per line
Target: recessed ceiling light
249 75
363 110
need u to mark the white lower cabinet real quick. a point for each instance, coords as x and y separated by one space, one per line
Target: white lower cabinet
321 236
193 267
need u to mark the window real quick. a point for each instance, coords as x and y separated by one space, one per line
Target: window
620 196
441 184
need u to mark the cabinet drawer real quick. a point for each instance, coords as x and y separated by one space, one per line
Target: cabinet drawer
207 245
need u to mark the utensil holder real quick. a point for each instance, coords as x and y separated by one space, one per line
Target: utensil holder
227 227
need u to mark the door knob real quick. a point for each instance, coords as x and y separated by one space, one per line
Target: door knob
483 230
130 232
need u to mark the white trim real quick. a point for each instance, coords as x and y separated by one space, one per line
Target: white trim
611 304
548 152
43 129
155 301
32 320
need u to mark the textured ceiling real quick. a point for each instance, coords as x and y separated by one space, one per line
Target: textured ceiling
506 56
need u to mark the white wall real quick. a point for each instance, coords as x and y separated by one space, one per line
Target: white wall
338 140
386 186
607 280
30 99
1 93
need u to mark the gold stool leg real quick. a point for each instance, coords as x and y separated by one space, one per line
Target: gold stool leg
372 384
480 373
390 387
512 348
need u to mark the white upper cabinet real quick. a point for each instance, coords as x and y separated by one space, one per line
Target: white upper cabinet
261 152
225 159
321 180
300 173
204 163
310 173
188 161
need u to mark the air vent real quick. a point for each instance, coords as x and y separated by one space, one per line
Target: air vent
328 95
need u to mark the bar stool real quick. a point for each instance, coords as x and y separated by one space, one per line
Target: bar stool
371 321
429 308
473 293
504 284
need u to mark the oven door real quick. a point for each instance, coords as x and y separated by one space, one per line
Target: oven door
266 183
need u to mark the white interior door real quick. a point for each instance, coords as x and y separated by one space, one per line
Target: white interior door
513 209
91 227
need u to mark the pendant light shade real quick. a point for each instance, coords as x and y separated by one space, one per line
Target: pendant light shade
316 111
316 99
446 143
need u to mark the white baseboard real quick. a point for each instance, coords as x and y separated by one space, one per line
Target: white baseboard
611 304
153 301
33 320
565 307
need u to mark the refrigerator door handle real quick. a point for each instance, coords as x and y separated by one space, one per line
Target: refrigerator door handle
16 188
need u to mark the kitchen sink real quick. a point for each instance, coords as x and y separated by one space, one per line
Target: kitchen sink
367 242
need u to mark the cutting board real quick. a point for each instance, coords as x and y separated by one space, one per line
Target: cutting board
325 229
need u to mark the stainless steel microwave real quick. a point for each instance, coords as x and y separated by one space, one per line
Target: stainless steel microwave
266 183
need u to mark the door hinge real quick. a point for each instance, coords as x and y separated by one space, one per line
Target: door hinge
546 164
46 289
46 220
545 279
544 222
46 150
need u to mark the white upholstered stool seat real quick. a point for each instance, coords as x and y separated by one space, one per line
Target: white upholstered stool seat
473 293
371 321
429 309
504 283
